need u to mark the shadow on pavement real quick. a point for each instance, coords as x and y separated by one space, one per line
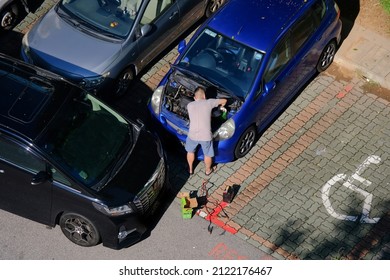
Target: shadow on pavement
134 106
349 11
10 42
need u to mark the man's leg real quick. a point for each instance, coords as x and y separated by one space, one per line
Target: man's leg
190 160
190 148
208 161
208 152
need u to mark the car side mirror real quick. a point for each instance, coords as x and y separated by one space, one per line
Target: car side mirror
268 87
182 45
40 177
146 29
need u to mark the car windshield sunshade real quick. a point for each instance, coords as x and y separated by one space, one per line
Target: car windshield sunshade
101 17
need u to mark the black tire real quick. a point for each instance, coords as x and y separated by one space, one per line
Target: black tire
327 56
246 142
123 83
213 6
79 230
9 17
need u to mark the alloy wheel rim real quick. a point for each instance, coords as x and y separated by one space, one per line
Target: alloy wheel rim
79 231
7 19
328 56
215 5
247 142
123 83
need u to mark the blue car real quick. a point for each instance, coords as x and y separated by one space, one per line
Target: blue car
102 45
257 54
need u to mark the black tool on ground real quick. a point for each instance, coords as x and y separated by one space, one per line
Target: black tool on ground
210 228
228 194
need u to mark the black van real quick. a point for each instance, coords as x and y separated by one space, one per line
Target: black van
67 158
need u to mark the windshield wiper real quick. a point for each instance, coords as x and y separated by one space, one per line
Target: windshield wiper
85 26
98 29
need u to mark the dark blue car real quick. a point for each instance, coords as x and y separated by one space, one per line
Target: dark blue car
257 54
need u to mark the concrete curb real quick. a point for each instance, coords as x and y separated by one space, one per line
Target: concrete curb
367 53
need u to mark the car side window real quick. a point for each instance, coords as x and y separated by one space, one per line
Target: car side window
20 156
301 32
58 176
318 11
280 56
307 25
154 10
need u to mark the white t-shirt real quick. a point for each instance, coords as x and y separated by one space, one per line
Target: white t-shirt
199 112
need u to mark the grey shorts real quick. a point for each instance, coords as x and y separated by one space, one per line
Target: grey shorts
207 147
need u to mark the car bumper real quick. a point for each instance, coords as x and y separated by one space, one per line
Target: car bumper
128 230
93 83
224 150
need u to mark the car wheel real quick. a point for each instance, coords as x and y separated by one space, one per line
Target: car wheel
9 16
213 6
124 81
246 142
79 230
327 56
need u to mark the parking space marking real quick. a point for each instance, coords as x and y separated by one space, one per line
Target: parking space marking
279 164
325 192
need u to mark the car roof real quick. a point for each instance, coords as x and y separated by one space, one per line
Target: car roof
256 23
29 97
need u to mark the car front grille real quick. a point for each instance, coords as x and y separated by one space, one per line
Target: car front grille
148 195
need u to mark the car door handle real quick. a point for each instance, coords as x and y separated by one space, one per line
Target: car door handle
2 171
174 14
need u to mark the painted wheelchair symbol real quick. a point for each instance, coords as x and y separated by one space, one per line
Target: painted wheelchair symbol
365 216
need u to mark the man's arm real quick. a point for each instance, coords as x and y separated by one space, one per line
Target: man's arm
222 102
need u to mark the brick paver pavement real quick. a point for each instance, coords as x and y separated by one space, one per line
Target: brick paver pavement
315 186
282 206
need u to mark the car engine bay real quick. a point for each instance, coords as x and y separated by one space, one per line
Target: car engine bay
179 92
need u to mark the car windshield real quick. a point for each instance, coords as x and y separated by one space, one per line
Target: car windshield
88 140
224 61
112 17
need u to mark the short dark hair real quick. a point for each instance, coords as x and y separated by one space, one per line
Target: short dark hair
200 88
199 92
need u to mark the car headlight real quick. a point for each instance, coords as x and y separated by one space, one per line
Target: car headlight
114 211
155 101
225 131
93 82
26 46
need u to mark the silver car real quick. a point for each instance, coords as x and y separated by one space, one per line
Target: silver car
103 43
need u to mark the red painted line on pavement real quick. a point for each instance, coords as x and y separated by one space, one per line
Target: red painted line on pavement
347 89
212 216
222 252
